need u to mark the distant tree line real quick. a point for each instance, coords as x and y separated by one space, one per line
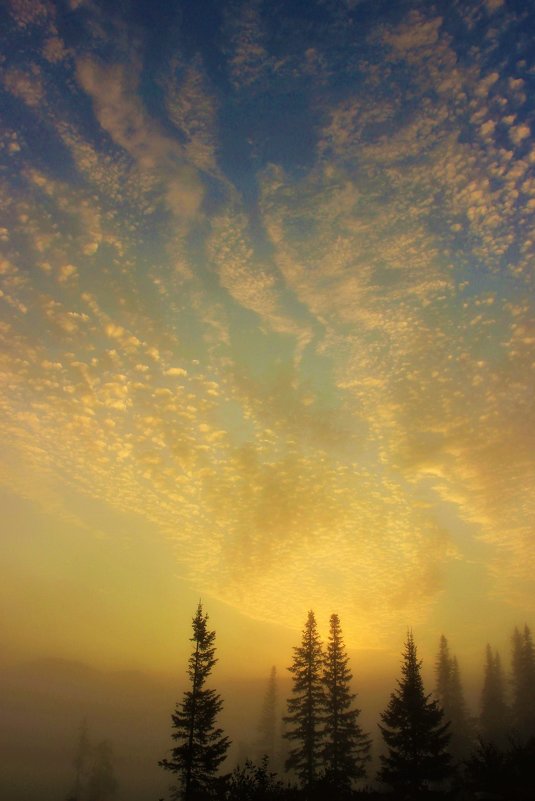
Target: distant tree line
432 748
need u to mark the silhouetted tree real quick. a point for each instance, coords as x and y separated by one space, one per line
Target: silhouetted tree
414 731
523 681
450 696
253 783
486 769
502 773
494 718
102 783
268 723
81 763
346 748
201 745
306 705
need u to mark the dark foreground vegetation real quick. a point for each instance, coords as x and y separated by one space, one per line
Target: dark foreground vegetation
431 747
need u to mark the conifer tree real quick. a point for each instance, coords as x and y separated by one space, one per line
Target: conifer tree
449 694
523 681
254 783
201 745
305 706
443 674
414 731
346 748
81 762
102 784
495 714
267 726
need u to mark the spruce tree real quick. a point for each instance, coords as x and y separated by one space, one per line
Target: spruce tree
414 731
449 694
461 727
267 725
81 762
443 674
523 681
305 706
102 784
201 745
346 748
495 715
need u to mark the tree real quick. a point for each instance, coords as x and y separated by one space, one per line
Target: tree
495 714
102 783
493 772
449 694
267 725
306 705
523 681
414 731
80 762
346 748
201 745
253 783
443 674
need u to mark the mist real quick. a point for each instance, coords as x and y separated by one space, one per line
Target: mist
45 701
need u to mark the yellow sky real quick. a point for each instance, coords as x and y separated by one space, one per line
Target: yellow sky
266 332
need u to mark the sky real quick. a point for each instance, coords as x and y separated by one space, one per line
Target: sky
267 333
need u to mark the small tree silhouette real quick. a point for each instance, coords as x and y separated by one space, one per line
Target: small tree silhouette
253 783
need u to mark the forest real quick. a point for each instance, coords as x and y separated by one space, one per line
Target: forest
430 746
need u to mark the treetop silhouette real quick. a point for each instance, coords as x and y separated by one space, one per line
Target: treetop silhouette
202 746
305 707
414 731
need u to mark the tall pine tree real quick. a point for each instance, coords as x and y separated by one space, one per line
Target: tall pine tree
443 674
449 694
81 762
346 748
494 720
201 745
414 731
266 744
102 784
305 706
523 681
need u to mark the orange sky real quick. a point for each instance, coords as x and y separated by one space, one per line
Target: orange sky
266 329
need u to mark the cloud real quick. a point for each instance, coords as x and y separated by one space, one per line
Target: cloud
253 285
54 50
519 133
249 60
193 110
418 32
27 86
66 272
29 12
493 5
121 114
300 383
380 264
